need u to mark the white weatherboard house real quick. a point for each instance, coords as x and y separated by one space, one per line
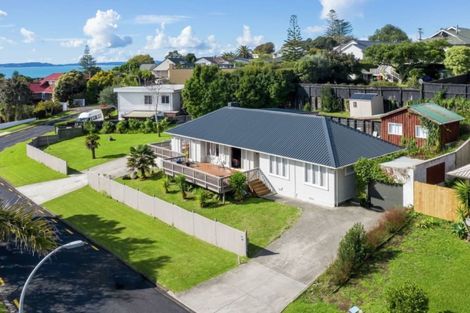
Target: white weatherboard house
148 101
355 47
295 155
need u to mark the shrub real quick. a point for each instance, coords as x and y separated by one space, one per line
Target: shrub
135 125
407 298
376 236
238 184
167 183
329 101
181 181
206 198
90 127
107 128
394 219
351 253
459 229
122 127
427 222
307 107
46 109
148 126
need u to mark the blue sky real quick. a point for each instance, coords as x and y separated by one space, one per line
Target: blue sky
57 31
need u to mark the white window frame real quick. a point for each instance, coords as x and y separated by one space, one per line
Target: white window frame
165 97
354 104
389 128
146 98
421 132
316 175
278 166
213 149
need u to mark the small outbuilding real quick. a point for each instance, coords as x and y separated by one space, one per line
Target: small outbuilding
362 105
407 123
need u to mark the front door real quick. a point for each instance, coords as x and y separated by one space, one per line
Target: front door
255 160
236 158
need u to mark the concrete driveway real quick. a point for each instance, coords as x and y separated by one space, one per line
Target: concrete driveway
273 279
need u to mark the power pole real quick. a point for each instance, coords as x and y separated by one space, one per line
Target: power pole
420 34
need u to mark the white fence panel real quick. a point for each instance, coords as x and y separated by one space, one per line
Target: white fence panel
131 197
231 239
47 159
116 191
163 211
204 229
146 204
183 220
93 181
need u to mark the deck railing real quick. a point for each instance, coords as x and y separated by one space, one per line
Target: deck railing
218 184
163 150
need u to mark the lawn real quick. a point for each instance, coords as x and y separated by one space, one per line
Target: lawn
336 114
37 122
20 170
264 220
79 158
435 259
164 254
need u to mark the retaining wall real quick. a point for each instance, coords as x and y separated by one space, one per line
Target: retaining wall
213 232
47 159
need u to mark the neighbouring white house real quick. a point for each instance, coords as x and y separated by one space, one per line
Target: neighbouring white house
355 47
161 70
364 105
219 61
301 156
149 101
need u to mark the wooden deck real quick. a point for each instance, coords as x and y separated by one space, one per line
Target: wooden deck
213 169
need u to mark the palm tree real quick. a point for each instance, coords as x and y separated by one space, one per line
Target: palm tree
229 56
141 158
92 143
462 189
244 52
20 228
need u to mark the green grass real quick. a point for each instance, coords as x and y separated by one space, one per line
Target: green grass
79 158
3 309
20 170
36 122
435 259
264 220
162 253
336 114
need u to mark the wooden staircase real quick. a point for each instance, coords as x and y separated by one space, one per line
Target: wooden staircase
258 188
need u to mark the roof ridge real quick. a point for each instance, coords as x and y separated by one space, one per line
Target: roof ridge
329 141
266 110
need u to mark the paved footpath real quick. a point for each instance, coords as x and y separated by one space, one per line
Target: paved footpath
281 272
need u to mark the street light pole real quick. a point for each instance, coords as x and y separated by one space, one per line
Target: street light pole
68 246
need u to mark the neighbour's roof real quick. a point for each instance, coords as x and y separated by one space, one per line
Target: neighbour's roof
147 67
168 88
178 61
53 76
215 60
362 44
436 113
304 137
454 35
403 162
363 96
461 172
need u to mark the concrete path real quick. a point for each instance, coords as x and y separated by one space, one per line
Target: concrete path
115 168
273 279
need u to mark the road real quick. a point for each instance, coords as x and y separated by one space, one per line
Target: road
87 279
22 135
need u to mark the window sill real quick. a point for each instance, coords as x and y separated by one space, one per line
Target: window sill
316 186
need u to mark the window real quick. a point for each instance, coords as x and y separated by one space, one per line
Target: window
421 132
277 166
395 129
315 175
354 104
166 99
212 149
147 99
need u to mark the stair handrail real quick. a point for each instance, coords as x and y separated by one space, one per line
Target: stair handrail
256 173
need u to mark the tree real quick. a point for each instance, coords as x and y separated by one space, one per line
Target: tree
190 58
338 29
238 184
329 101
87 62
137 60
46 108
407 298
161 126
20 228
293 48
389 33
97 83
173 54
457 59
264 48
181 181
229 56
69 85
108 96
142 159
14 95
319 43
207 90
92 143
244 52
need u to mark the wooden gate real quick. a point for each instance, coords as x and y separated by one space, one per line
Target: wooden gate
435 201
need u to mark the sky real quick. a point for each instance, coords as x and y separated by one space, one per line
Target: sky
56 31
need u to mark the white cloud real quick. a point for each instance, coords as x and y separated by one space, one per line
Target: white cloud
3 13
72 43
101 28
28 36
185 41
344 8
247 39
315 29
6 40
159 19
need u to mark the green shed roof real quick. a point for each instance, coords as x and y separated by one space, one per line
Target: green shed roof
435 113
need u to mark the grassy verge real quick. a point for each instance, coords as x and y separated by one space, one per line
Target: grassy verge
433 258
344 114
79 158
264 220
164 254
20 170
37 122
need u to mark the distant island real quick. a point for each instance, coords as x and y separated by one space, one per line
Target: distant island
42 64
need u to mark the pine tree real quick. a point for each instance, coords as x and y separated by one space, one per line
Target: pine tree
87 62
293 48
338 29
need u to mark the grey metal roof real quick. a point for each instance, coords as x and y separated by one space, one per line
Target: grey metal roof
363 96
308 138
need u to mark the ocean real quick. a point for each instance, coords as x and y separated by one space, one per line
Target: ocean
42 71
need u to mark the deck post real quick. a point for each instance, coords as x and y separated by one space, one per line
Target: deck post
223 197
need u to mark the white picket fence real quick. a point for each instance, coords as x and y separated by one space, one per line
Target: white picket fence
213 232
